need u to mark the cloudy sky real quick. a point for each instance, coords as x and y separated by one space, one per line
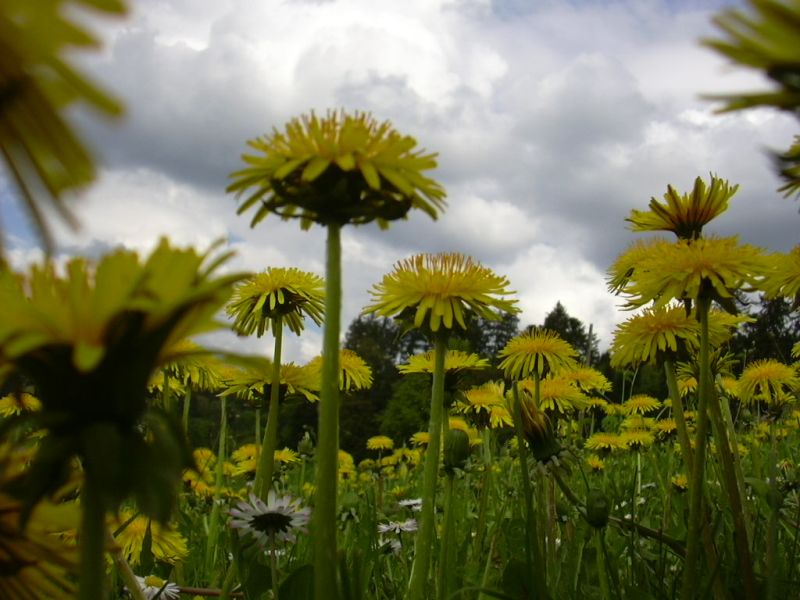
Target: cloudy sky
552 120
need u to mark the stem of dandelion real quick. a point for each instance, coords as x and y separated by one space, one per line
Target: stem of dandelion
324 517
213 525
677 414
533 561
695 525
92 542
729 456
602 567
485 483
273 564
775 498
124 569
187 403
447 534
266 459
418 581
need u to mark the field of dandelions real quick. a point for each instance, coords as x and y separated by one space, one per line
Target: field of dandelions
542 481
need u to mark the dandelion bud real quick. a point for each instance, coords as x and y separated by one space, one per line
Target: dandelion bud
456 450
597 509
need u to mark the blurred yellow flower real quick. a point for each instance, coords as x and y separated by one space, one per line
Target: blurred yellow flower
380 442
486 405
168 545
454 361
604 442
15 404
783 275
421 438
354 373
640 404
768 381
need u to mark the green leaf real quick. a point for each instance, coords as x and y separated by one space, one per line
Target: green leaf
299 585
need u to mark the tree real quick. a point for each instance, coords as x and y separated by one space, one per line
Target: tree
486 338
775 329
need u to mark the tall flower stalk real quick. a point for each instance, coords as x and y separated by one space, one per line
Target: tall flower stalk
266 301
337 170
437 293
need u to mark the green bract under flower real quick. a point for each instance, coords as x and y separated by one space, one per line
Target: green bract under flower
285 293
338 169
89 341
440 290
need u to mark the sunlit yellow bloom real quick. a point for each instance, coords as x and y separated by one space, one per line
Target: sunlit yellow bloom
286 293
714 266
486 404
636 421
637 439
664 427
454 361
354 373
441 290
597 403
685 215
421 438
595 463
539 351
728 385
640 404
246 452
680 482
347 468
380 442
337 169
588 379
286 456
556 394
602 441
768 381
783 276
657 331
627 263
250 382
168 545
15 404
687 385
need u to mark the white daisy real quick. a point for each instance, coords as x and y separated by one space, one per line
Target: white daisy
152 585
415 504
398 527
280 518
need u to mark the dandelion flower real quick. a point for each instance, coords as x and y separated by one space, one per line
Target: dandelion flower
680 482
279 519
604 442
783 276
537 351
769 381
15 404
286 456
354 373
441 290
380 442
168 545
640 404
454 361
421 438
556 394
637 439
686 214
337 169
588 379
653 334
595 463
288 294
486 404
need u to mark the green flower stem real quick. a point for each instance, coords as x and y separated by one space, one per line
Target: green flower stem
324 517
124 569
418 581
92 576
486 481
695 526
729 455
266 457
774 498
213 524
187 403
166 394
533 560
602 565
445 548
678 415
273 565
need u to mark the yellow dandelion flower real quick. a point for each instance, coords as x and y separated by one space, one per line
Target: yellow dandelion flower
627 263
657 331
768 381
15 404
243 453
588 379
454 361
421 439
595 463
286 456
367 464
380 443
338 169
640 404
537 351
604 442
288 294
728 385
796 350
441 290
354 373
168 545
637 439
459 423
664 427
783 276
686 214
715 266
680 482
486 405
556 394
347 468
636 421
